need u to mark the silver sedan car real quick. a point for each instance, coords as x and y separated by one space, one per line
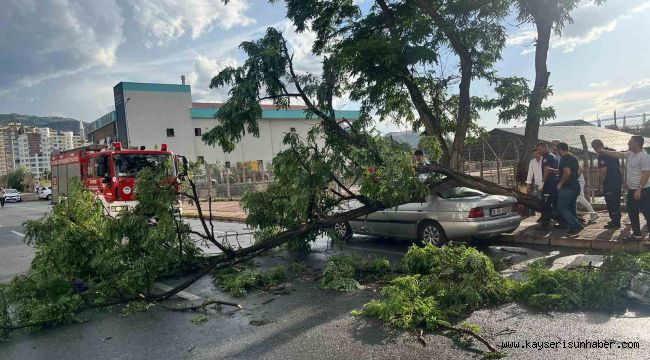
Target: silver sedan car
456 213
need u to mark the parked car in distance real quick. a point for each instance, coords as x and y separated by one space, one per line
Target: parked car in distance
45 193
456 213
12 195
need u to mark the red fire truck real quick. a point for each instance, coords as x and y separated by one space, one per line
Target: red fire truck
109 172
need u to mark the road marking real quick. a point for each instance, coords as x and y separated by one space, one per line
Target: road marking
18 233
182 294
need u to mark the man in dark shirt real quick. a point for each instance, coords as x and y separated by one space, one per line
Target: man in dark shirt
569 188
611 182
549 190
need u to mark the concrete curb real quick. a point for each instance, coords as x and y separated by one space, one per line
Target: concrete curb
558 240
237 219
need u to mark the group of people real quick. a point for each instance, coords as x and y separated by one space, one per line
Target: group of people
556 178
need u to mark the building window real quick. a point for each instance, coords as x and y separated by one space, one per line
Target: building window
170 132
227 165
197 131
293 130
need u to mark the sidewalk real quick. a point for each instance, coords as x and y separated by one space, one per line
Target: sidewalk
594 236
221 211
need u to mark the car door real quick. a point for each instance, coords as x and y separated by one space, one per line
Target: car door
401 221
373 223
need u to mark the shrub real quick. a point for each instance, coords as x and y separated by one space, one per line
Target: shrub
440 283
343 272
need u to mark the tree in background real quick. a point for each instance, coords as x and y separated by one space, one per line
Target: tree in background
548 16
395 58
19 178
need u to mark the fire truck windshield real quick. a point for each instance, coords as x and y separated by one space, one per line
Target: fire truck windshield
129 165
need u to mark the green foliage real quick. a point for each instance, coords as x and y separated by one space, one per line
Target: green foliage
18 178
600 288
238 282
343 272
199 319
512 100
440 284
83 257
299 267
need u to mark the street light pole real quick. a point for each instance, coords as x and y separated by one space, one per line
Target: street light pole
126 123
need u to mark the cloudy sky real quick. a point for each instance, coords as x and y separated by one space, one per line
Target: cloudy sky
62 57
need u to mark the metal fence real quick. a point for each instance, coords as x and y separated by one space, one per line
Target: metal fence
228 183
495 156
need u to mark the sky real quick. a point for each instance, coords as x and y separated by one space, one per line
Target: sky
63 57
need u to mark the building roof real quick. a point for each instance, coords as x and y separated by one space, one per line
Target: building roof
153 87
217 105
570 123
208 111
571 135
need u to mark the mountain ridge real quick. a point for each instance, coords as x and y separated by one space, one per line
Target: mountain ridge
57 123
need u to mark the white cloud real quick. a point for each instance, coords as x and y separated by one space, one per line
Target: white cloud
205 68
590 23
164 21
632 98
300 44
599 84
51 38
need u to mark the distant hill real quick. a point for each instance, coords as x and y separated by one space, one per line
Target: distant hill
52 122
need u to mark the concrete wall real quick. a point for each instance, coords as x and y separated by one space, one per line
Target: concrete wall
149 114
265 147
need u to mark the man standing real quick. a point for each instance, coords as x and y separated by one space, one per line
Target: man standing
569 188
637 174
549 189
582 200
535 174
2 196
610 183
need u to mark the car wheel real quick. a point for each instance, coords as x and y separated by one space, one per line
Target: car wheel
48 197
430 232
343 230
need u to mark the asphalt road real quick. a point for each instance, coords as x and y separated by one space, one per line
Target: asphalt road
310 323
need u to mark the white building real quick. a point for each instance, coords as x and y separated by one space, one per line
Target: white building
35 145
152 114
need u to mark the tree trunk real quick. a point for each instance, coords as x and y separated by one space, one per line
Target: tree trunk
539 92
464 112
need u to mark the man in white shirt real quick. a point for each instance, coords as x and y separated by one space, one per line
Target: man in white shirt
534 178
535 172
582 200
637 176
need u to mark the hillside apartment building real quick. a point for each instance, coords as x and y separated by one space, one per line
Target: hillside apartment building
31 147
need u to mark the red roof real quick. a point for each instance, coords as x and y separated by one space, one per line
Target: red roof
206 105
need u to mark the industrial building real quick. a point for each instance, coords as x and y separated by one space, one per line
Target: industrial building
150 114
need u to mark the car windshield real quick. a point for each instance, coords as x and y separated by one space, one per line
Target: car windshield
130 165
11 191
459 192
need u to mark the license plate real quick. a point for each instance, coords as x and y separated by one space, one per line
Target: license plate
500 211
